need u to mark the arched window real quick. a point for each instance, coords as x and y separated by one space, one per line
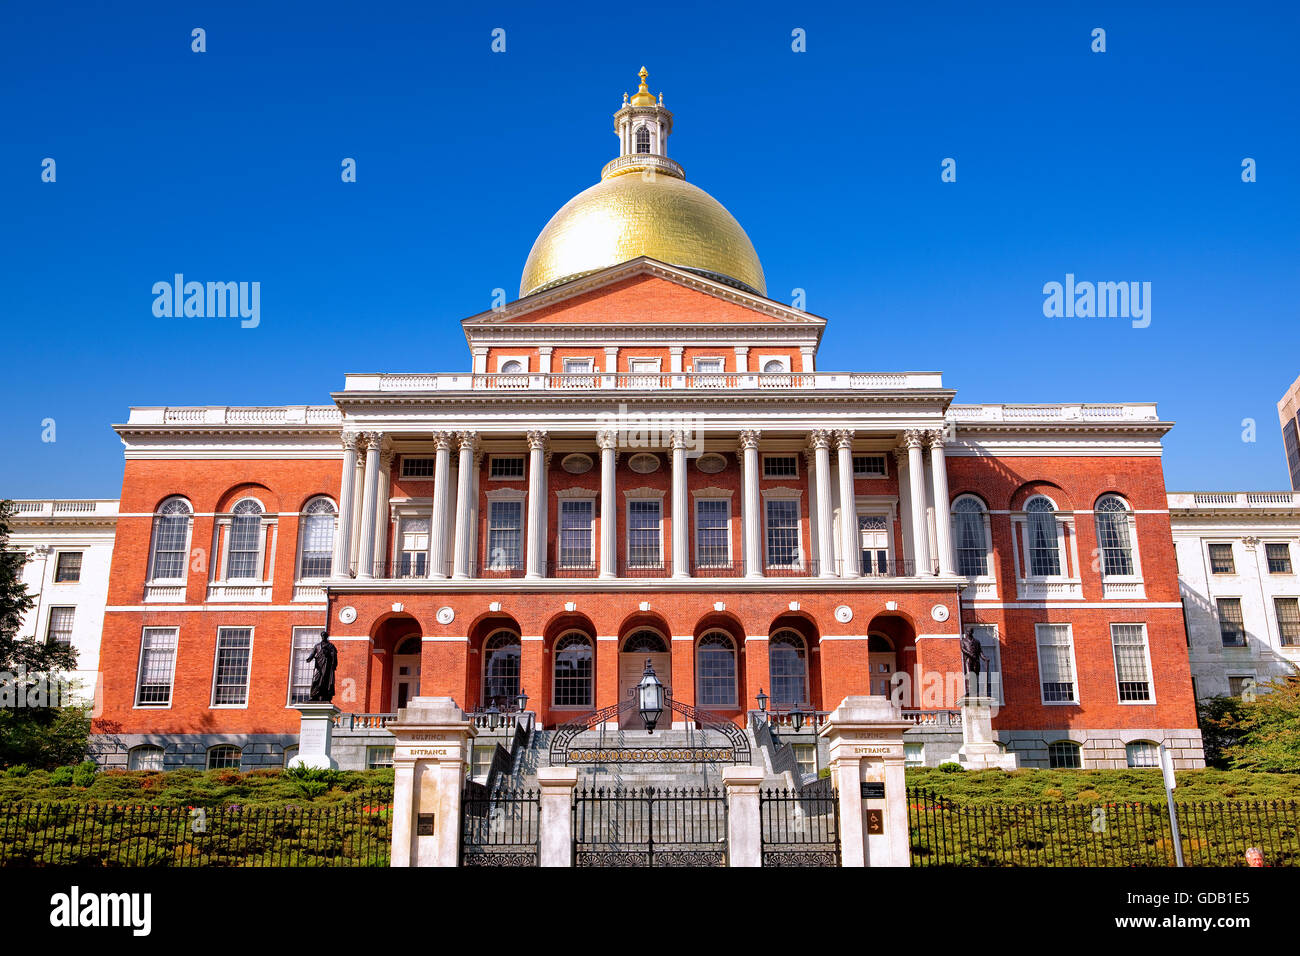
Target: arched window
715 669
787 668
222 756
171 535
1064 755
1042 543
1143 753
1113 537
645 642
970 536
501 654
775 365
642 139
512 367
145 758
573 659
316 539
244 547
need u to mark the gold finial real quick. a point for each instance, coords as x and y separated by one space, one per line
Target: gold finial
643 97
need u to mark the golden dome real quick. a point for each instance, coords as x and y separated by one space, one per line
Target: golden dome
625 216
643 96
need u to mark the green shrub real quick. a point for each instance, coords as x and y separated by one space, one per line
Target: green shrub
84 774
951 767
18 770
61 776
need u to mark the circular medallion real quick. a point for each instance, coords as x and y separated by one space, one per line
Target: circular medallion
644 463
939 612
844 614
576 464
711 463
347 615
446 615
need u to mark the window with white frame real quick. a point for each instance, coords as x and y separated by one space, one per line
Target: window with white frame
708 366
505 543
712 532
1142 753
574 547
991 669
787 669
157 667
418 468
642 139
481 761
379 757
805 758
1132 667
511 367
715 668
644 533
913 755
1064 755
506 467
782 516
774 365
1056 663
573 671
1043 538
146 757
67 567
873 542
59 629
869 466
230 668
171 535
244 543
224 756
1114 536
780 466
970 535
1288 620
1221 559
316 539
300 671
579 366
643 366
1232 627
412 546
1278 553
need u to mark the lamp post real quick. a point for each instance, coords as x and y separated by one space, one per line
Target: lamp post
650 697
796 718
521 701
762 701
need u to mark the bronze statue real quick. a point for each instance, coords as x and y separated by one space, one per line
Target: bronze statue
971 655
325 658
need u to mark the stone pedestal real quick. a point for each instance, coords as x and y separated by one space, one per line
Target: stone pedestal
979 750
315 736
744 827
555 815
865 739
431 745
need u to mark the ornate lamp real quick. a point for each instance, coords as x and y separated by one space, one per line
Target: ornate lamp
796 718
650 697
762 701
521 701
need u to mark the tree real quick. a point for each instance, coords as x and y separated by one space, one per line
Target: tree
1270 729
1220 720
37 727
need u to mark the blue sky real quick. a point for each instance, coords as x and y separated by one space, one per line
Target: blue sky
1122 166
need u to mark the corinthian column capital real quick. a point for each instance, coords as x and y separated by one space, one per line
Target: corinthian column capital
537 441
607 439
749 438
351 441
934 437
373 440
468 441
820 438
844 438
442 441
914 438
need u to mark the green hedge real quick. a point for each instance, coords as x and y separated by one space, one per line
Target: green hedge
1101 786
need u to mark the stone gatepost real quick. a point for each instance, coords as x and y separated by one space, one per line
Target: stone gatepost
979 751
744 826
316 735
430 751
555 815
865 738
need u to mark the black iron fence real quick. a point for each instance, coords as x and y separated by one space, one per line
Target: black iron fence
944 833
800 828
356 833
650 827
499 828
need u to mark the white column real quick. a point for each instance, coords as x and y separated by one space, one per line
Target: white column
381 510
916 482
438 513
544 359
464 492
750 517
535 547
347 490
366 557
848 504
742 359
821 442
674 358
744 828
904 507
681 523
942 512
608 504
611 359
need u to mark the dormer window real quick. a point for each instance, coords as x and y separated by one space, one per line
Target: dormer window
642 139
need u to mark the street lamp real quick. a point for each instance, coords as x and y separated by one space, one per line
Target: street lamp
796 717
762 701
650 696
521 701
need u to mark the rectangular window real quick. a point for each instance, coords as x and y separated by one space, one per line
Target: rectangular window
574 545
643 366
1279 558
1288 620
712 532
783 533
230 671
1238 684
60 627
780 466
1044 545
506 467
1056 663
913 755
481 762
708 366
418 467
377 757
413 537
1232 627
1221 559
1129 642
990 669
505 535
643 533
805 757
244 546
868 466
68 567
157 667
577 365
304 639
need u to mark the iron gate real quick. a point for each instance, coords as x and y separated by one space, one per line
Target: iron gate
800 828
650 826
499 828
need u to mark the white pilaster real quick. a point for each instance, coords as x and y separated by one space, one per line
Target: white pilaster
821 442
535 546
681 523
382 518
916 482
848 504
544 359
464 513
942 512
750 518
674 358
438 515
366 557
347 491
608 504
742 359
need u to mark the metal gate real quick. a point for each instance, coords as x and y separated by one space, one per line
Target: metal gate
649 827
800 828
499 828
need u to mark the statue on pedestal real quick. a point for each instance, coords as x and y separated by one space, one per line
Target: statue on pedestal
971 656
325 659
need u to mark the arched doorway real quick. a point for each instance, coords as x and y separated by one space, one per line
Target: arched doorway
406 671
502 653
883 662
641 645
